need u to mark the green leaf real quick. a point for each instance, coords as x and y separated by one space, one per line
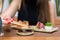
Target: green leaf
48 24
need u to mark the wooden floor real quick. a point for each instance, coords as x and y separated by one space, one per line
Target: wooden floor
29 38
37 36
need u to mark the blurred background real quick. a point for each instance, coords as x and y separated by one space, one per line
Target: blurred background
0 5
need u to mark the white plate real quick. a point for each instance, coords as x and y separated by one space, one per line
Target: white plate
24 34
43 30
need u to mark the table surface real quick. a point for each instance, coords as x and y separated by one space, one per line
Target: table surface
36 36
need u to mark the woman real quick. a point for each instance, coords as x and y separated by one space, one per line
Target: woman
30 10
34 11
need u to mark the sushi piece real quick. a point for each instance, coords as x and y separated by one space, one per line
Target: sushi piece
40 25
26 23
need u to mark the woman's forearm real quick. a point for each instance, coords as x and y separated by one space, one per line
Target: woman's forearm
10 11
52 13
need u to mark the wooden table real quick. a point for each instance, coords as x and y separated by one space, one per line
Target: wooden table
37 36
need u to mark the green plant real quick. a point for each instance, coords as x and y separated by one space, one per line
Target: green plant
58 7
10 1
